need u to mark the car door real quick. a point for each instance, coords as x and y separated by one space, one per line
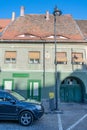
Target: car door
8 108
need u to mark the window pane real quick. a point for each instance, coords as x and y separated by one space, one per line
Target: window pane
36 61
10 56
31 61
61 57
77 57
34 57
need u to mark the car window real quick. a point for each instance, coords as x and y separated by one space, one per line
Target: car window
1 99
8 97
18 96
2 96
5 97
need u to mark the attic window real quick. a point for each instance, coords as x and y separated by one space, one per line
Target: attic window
21 35
61 37
26 35
58 37
51 36
31 36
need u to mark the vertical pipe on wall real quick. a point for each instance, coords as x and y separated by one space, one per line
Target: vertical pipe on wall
72 60
44 64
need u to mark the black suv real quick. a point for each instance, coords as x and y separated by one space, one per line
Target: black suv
15 107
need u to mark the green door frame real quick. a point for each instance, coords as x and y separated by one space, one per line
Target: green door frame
8 80
31 90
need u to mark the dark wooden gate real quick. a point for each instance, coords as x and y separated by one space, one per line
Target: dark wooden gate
71 93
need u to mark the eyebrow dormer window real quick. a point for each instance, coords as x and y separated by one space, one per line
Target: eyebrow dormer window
58 37
26 35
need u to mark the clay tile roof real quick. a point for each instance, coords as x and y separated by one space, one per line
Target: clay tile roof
83 27
37 27
4 23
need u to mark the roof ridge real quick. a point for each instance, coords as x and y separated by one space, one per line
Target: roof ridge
79 29
4 30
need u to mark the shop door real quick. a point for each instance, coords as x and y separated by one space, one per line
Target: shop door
71 93
34 89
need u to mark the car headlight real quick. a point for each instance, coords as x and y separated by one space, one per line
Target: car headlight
38 107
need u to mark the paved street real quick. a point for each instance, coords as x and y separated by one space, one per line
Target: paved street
74 117
47 122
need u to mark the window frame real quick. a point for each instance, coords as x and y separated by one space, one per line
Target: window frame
79 60
11 59
32 60
64 59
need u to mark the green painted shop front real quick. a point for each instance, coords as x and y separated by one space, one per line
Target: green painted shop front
30 86
72 90
21 83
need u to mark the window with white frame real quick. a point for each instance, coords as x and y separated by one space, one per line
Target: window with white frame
77 58
10 56
61 58
34 57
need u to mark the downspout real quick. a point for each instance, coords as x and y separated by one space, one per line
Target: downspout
43 64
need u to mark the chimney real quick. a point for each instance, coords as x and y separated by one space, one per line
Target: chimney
22 11
13 16
47 15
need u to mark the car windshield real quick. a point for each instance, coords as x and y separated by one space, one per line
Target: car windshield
17 96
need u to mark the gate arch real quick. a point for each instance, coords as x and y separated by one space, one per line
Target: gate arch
72 89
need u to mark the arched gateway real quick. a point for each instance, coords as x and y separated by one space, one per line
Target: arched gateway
72 90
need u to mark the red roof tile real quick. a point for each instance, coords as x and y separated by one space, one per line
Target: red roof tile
83 27
4 23
31 27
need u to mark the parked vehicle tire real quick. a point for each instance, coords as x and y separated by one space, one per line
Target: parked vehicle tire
26 118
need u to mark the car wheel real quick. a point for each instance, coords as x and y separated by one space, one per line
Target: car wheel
26 118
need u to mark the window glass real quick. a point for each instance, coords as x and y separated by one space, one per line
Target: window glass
77 58
34 57
10 57
61 58
2 96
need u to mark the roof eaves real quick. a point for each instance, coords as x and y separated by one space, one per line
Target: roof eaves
42 41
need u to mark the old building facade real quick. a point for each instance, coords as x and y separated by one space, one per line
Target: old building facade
27 57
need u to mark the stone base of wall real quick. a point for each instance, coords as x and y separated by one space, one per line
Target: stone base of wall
48 105
45 103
